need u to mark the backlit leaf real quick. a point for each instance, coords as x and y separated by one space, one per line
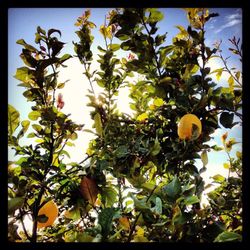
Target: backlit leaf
34 115
24 74
237 75
65 57
191 200
218 178
114 47
27 46
142 117
158 102
73 214
109 196
98 124
239 154
204 157
231 83
13 119
191 69
228 236
25 125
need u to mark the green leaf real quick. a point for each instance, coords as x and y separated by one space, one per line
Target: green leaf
218 178
27 46
14 204
158 102
25 125
228 236
231 83
37 127
226 119
64 152
98 124
114 47
61 85
204 157
158 206
73 136
173 189
141 204
121 151
13 119
70 144
191 200
183 32
105 219
190 70
73 213
237 75
155 15
218 75
38 38
84 237
142 117
217 148
101 49
64 58
155 150
24 74
109 196
31 135
40 30
148 186
34 115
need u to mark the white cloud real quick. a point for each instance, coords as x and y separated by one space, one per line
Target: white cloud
74 96
231 20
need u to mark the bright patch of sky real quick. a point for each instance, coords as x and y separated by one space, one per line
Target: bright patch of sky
23 23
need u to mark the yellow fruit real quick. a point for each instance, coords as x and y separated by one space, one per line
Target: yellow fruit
189 127
50 210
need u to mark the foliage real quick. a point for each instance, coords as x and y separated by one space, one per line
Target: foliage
143 185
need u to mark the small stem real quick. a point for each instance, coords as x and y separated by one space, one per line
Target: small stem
90 82
120 193
85 159
24 228
57 155
230 162
229 71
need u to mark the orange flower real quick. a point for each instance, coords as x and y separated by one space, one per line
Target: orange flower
59 101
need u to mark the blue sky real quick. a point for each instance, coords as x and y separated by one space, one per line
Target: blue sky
24 21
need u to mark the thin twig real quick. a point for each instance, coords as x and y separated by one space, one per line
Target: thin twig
24 228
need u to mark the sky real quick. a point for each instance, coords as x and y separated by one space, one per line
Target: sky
22 23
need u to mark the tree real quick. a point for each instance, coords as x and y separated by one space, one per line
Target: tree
138 182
